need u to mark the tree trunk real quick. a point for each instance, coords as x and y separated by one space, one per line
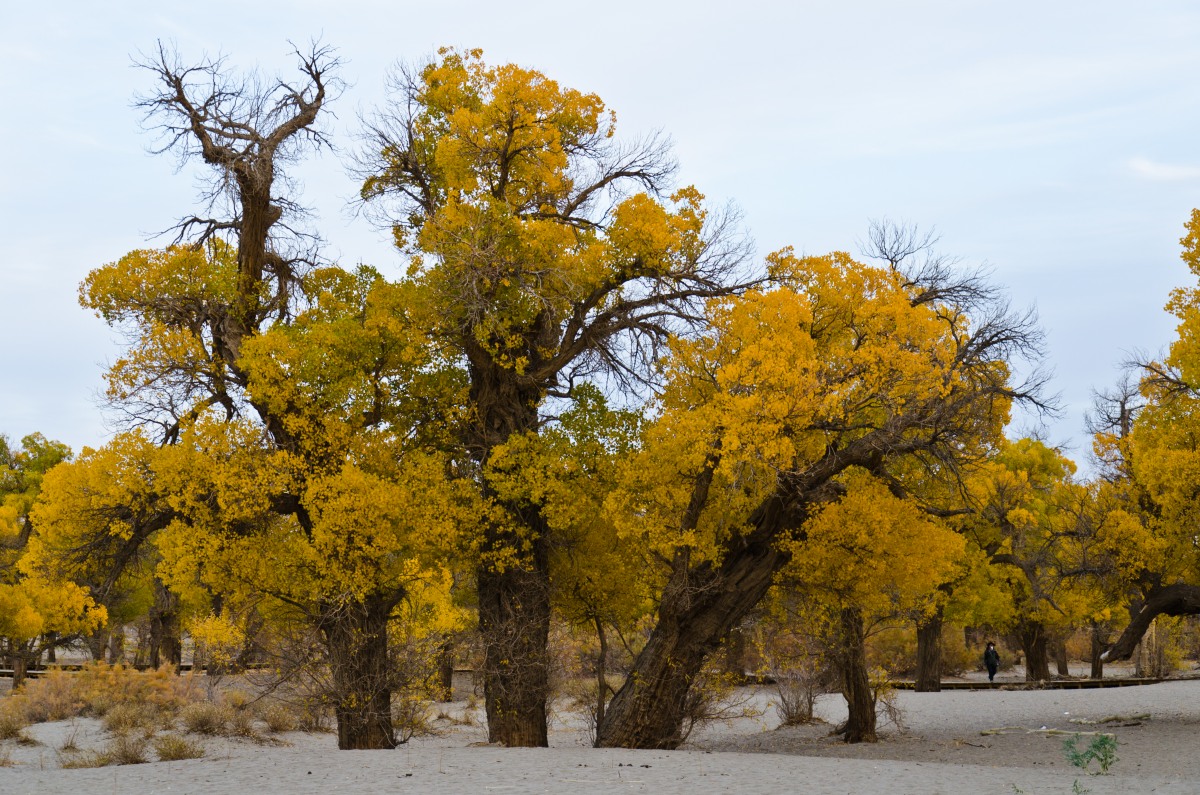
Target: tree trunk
1060 657
356 636
699 606
735 656
601 671
856 683
1173 600
165 643
1033 643
929 654
1099 642
446 669
19 667
514 623
97 644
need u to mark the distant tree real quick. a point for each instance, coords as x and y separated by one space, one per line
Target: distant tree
38 610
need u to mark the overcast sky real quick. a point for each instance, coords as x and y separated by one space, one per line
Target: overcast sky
1055 142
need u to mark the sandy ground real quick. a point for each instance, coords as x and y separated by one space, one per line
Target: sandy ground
939 749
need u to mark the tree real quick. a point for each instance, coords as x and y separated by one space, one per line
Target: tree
292 398
1029 520
37 609
840 365
863 559
548 258
1149 443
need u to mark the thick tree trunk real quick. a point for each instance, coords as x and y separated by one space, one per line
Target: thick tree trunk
1033 643
20 665
356 636
698 608
165 643
1173 600
514 622
929 654
1059 646
97 644
856 683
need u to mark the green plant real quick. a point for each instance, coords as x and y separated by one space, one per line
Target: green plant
1102 749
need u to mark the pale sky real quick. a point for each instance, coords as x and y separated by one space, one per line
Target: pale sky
1054 141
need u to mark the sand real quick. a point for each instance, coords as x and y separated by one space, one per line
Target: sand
939 749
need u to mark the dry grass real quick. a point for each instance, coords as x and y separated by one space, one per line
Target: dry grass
205 717
123 749
12 721
279 718
99 688
172 747
129 717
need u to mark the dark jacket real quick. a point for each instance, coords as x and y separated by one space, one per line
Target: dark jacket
991 657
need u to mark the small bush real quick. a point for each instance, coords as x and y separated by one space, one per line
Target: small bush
411 718
84 759
278 718
172 747
241 724
12 721
237 699
205 717
128 717
127 749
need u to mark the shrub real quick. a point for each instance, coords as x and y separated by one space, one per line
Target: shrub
278 718
127 749
127 717
205 717
12 721
172 747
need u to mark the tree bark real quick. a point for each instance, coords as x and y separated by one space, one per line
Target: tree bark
165 642
699 605
514 622
601 671
856 682
356 636
1033 644
1099 641
19 666
1172 600
1060 657
735 655
446 669
929 654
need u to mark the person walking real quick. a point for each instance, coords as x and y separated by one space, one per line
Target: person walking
991 659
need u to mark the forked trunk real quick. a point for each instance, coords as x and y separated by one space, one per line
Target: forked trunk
514 622
699 606
856 683
356 636
929 654
1033 644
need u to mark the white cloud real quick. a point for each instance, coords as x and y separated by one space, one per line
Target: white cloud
1163 172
